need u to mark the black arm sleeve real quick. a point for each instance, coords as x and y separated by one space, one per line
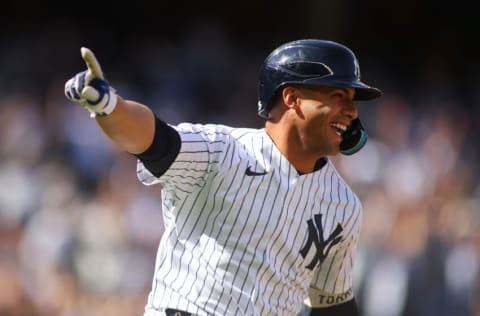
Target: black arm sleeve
163 150
346 309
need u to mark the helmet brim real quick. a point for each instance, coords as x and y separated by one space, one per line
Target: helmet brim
367 93
363 92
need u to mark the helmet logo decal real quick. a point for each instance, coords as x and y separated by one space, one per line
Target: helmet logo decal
259 106
357 68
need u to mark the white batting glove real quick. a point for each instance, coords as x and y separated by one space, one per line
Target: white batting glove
90 89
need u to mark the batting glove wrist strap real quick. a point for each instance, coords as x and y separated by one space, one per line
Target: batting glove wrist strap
90 89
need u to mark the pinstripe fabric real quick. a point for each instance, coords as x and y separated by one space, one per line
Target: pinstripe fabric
232 241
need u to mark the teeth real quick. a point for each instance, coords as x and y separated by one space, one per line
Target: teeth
340 127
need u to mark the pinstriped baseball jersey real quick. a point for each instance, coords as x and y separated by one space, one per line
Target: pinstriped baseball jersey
245 233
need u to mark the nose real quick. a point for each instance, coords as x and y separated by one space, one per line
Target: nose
349 109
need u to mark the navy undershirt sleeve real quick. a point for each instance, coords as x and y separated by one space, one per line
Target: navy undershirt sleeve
163 150
346 309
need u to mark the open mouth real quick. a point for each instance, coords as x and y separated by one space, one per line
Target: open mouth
339 127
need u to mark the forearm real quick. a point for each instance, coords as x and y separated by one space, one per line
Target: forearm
131 126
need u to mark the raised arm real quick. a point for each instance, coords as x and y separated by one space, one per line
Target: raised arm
129 124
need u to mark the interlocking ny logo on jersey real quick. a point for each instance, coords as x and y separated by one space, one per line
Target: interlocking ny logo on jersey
315 237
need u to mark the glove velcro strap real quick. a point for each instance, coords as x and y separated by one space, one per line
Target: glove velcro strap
109 106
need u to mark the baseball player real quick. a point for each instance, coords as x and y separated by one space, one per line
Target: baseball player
257 221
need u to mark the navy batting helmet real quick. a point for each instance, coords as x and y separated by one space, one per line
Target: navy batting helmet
310 62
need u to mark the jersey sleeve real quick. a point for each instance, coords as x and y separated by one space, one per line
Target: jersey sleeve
332 283
200 152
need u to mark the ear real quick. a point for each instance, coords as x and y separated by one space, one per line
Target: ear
290 96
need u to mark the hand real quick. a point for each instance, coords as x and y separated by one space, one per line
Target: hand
90 89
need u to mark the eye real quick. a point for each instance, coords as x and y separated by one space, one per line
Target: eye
338 94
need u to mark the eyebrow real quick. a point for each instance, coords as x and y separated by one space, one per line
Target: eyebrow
347 91
313 88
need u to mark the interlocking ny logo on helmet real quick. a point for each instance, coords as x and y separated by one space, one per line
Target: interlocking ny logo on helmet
310 61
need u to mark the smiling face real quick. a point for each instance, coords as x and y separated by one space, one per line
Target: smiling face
320 116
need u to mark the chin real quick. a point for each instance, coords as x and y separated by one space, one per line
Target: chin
335 150
329 152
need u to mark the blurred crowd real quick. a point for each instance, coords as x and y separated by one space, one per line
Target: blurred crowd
79 233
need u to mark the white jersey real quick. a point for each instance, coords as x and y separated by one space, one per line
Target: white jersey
245 233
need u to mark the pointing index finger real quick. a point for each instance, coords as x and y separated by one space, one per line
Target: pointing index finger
94 69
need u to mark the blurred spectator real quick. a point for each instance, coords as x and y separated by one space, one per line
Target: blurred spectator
78 233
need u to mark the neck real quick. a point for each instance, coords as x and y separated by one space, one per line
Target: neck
289 143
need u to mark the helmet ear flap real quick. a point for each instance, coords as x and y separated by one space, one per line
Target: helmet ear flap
354 138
